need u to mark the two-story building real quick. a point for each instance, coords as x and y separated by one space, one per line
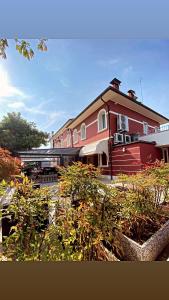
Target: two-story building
115 132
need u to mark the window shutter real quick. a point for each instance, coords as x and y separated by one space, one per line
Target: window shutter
119 122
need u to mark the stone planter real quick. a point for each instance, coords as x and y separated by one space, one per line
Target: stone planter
150 250
105 254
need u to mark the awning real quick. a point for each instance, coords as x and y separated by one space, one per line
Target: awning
47 153
95 148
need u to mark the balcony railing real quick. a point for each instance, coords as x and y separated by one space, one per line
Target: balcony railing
163 128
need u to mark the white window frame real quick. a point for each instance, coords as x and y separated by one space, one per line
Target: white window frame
100 161
68 138
156 129
83 137
99 119
61 142
75 136
119 122
145 128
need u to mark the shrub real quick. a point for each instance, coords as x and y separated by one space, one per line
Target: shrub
141 197
78 230
9 165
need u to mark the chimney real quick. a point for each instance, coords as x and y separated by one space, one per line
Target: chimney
115 83
131 94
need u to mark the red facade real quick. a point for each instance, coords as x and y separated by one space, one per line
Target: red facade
128 158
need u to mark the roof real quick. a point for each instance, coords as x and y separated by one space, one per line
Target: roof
53 152
107 93
63 127
118 92
131 143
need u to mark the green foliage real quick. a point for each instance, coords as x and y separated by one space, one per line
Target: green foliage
17 133
23 47
87 214
141 197
78 231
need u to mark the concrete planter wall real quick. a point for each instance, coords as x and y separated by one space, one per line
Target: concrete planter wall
150 250
105 254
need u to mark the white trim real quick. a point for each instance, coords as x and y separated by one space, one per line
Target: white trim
114 113
100 160
145 128
98 120
77 136
128 165
82 138
127 159
122 150
91 123
126 154
131 119
68 139
124 171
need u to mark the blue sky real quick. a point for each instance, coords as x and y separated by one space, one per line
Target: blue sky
58 84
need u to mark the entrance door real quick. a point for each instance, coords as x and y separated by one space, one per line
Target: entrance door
165 155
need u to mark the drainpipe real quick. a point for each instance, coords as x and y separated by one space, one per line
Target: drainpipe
109 141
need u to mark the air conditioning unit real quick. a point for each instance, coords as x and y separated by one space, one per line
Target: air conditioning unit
127 138
118 138
134 137
122 123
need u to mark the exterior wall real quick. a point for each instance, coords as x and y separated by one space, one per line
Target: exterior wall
135 155
135 119
161 138
131 158
57 141
135 125
150 153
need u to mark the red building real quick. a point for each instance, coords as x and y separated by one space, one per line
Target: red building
116 132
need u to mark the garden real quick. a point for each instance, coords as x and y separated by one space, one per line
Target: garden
83 219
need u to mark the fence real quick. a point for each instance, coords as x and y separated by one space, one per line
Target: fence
46 178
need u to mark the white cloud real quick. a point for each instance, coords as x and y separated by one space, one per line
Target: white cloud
7 90
107 62
54 117
16 105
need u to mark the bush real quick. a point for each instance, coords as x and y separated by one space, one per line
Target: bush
78 230
141 197
9 165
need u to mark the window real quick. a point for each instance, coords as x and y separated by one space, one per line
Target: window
102 120
156 129
83 131
122 123
145 127
75 136
68 138
61 142
103 159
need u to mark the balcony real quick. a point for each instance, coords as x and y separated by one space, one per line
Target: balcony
161 137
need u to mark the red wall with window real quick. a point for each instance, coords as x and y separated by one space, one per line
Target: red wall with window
92 133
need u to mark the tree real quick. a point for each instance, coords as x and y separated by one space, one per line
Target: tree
17 133
23 47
